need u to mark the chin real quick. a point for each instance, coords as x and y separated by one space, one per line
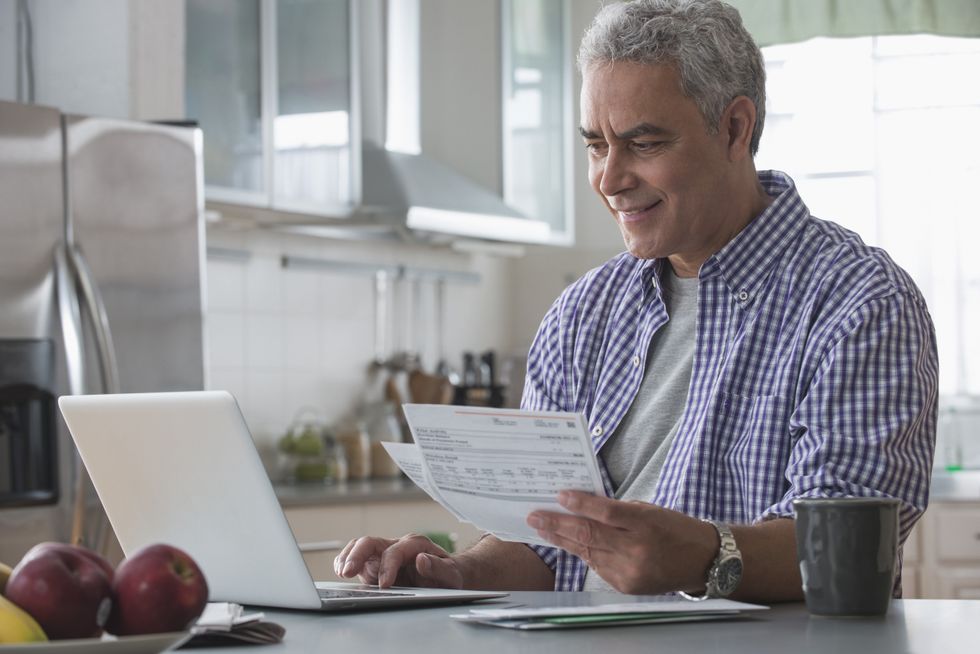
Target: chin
644 250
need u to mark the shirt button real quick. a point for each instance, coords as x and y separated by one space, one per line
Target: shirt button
636 361
743 296
597 431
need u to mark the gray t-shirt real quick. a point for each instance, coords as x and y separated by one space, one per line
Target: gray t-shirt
636 451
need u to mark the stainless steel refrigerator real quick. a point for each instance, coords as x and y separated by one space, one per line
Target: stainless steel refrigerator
101 290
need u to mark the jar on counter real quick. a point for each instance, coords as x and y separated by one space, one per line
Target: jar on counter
309 452
353 437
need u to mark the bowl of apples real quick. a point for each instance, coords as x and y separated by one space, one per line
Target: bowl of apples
69 598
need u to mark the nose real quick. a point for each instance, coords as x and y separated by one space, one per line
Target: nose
616 174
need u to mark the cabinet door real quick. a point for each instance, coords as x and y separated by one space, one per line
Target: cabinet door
958 584
224 94
957 534
321 532
312 125
397 519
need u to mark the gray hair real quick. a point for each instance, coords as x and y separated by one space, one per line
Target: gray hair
705 39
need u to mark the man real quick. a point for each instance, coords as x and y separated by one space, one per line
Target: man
741 354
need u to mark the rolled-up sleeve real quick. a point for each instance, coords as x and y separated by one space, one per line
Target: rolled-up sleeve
865 424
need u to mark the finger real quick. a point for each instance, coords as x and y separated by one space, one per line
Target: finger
616 513
364 549
404 552
583 531
594 558
341 559
369 573
437 572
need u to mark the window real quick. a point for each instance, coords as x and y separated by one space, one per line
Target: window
881 136
537 112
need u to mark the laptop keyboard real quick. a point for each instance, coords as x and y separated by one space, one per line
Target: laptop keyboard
328 593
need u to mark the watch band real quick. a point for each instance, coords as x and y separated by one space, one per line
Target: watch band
727 550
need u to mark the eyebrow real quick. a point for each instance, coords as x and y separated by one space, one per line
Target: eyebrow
643 129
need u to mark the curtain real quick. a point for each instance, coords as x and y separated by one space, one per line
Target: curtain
788 21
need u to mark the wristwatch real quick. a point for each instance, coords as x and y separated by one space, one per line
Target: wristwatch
726 571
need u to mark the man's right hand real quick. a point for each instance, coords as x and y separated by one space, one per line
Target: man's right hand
411 560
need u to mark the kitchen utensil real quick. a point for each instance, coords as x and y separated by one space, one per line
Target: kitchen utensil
425 388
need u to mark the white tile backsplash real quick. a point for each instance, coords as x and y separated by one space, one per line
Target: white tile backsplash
301 292
264 342
264 283
226 285
281 339
303 339
265 404
226 338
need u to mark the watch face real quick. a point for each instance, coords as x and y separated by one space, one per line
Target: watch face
728 575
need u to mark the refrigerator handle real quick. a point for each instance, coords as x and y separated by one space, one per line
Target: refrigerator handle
71 329
71 321
100 321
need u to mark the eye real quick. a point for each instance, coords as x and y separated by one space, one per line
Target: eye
646 146
596 148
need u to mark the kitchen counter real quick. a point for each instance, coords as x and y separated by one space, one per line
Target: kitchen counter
349 492
962 485
910 626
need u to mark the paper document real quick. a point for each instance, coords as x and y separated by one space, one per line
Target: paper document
660 609
409 459
492 467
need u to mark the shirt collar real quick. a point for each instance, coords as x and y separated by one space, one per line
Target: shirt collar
744 262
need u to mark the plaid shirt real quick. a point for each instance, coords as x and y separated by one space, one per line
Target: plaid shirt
815 371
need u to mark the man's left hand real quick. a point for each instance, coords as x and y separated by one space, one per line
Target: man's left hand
638 548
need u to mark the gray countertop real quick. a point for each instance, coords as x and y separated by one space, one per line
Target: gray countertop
910 626
962 485
946 487
400 489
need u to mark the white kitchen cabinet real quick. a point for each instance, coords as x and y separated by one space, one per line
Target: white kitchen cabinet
947 565
911 559
305 115
270 84
323 530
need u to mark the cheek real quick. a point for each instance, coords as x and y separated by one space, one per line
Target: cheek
595 176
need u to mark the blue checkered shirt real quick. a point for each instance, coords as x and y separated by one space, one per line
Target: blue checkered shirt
815 371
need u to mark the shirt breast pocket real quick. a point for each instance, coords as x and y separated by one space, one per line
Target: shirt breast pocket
752 435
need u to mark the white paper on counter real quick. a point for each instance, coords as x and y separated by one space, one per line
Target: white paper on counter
495 466
409 459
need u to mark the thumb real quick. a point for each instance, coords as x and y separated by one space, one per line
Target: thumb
437 572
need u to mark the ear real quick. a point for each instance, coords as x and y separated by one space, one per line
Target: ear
738 124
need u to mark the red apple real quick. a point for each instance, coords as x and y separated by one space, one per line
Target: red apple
67 589
157 589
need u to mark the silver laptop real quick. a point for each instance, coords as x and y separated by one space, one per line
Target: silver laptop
181 468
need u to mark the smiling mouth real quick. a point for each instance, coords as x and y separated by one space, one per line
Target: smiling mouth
637 214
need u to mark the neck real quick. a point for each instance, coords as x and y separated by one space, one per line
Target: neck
746 200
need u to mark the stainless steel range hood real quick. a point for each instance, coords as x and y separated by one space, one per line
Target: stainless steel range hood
430 197
397 188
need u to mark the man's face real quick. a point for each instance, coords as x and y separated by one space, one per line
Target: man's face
651 159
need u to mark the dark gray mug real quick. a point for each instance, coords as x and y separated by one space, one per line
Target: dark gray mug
847 548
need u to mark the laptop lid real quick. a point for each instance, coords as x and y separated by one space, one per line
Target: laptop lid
181 468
